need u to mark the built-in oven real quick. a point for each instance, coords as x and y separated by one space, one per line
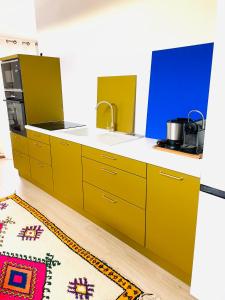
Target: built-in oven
16 112
11 75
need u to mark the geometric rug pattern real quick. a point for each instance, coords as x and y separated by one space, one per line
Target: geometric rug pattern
39 261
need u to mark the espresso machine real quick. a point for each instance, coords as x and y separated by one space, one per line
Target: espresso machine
174 137
185 134
193 134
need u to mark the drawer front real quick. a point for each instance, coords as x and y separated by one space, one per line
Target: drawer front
39 151
41 173
38 136
119 214
19 143
122 184
22 163
67 172
117 161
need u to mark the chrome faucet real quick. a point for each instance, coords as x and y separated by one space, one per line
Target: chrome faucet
112 126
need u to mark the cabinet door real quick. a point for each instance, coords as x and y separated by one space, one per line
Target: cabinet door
19 143
41 173
67 171
21 163
172 201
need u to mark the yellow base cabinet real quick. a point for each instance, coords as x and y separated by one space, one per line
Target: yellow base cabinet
172 201
67 171
22 163
39 151
19 143
120 183
117 161
21 158
41 173
115 212
111 191
38 136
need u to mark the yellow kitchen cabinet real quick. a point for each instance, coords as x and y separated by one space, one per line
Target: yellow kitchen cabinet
117 161
21 158
172 201
38 136
115 181
41 174
39 151
115 212
19 143
22 163
42 89
67 171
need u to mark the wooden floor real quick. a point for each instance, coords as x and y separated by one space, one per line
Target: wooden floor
140 270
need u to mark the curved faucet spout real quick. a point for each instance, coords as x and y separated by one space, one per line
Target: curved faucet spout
112 126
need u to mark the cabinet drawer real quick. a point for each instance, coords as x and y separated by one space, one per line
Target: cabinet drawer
122 184
21 163
39 151
19 143
119 214
117 161
38 136
41 173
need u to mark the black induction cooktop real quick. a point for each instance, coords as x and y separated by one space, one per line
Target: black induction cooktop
57 125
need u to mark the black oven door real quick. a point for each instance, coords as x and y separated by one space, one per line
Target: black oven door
16 116
11 75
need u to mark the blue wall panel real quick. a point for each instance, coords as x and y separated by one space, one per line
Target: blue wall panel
179 82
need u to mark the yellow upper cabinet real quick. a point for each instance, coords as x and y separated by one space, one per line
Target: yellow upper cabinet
41 82
120 91
67 172
172 201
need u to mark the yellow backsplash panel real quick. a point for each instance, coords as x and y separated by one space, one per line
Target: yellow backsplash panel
120 91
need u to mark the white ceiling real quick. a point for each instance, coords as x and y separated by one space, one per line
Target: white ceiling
50 12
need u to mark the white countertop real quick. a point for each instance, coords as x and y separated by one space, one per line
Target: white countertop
139 149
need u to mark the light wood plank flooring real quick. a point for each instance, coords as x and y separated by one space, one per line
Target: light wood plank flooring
140 270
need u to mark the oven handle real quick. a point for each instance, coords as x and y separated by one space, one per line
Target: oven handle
13 100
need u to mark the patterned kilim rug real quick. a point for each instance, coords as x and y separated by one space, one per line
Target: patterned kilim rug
39 261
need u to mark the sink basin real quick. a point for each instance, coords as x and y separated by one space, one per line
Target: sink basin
114 138
103 136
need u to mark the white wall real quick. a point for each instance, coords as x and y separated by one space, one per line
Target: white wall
209 260
17 20
116 39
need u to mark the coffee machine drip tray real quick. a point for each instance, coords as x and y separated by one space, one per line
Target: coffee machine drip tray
169 144
177 148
